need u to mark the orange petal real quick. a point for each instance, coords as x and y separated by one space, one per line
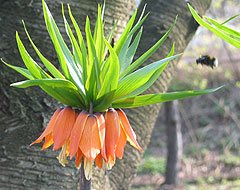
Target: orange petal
63 127
90 142
49 127
112 132
131 136
78 159
99 161
101 126
102 129
103 151
121 144
48 141
77 132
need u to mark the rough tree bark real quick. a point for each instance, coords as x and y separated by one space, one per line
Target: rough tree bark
23 113
162 15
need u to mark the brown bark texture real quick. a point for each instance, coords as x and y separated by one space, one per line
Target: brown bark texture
162 15
25 112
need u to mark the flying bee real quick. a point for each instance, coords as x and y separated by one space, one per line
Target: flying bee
207 60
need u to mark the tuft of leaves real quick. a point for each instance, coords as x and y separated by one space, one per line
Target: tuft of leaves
89 76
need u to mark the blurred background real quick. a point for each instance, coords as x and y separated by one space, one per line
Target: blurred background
210 124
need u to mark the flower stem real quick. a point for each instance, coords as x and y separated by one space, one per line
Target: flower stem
90 108
84 183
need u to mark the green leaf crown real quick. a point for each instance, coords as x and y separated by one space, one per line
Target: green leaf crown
96 73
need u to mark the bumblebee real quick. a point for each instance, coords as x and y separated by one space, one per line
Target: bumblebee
207 60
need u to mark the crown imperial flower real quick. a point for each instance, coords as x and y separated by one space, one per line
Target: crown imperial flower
95 137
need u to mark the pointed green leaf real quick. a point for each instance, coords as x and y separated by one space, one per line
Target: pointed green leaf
98 37
127 53
153 78
110 81
70 69
51 68
46 82
223 28
22 71
149 99
122 56
33 67
140 77
60 89
139 22
228 20
147 54
110 37
214 30
121 41
132 49
82 45
65 95
49 24
77 55
127 57
93 82
103 9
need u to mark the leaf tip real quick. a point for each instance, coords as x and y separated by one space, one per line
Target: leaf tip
1 60
69 9
144 7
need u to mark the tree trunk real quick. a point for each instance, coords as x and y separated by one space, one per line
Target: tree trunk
24 113
174 142
162 15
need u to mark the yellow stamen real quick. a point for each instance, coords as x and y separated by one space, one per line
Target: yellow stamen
110 163
62 158
88 168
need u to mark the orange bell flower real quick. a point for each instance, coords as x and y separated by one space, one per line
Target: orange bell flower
90 143
112 135
63 127
87 140
76 132
118 132
131 136
93 137
47 133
